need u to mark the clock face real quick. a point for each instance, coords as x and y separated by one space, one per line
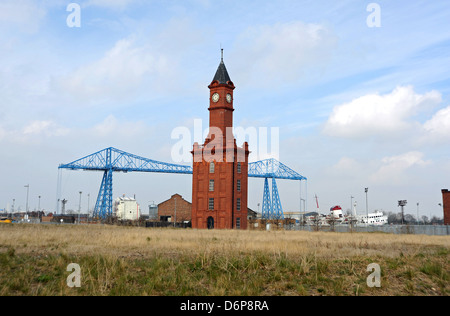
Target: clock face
215 97
229 98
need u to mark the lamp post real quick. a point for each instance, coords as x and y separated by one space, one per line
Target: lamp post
28 191
39 203
351 203
417 213
442 206
367 206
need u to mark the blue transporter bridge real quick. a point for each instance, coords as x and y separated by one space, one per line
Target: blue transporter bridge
112 160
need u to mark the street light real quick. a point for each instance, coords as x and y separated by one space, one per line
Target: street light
367 206
28 191
39 204
351 203
417 213
441 205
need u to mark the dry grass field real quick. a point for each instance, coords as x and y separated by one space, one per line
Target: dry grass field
139 261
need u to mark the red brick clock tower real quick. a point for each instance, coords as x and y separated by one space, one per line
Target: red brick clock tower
220 169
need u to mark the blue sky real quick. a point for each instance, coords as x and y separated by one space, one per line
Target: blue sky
356 106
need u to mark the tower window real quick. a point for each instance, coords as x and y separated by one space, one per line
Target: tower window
238 204
239 167
211 167
239 185
211 185
211 204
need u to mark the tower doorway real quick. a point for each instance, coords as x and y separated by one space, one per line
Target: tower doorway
210 223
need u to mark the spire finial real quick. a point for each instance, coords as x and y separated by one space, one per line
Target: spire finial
222 53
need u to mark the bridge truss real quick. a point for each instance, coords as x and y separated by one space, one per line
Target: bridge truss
112 160
272 169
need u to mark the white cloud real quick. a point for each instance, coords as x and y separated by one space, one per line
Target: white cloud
111 127
44 128
376 114
120 71
347 164
283 52
37 127
34 132
393 168
143 64
438 127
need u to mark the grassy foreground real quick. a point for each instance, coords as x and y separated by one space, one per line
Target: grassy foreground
139 261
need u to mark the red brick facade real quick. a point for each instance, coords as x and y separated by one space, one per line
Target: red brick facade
446 205
220 168
177 208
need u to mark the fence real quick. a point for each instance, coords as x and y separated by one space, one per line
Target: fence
436 230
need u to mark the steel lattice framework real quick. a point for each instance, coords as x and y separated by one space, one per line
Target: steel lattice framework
272 168
112 160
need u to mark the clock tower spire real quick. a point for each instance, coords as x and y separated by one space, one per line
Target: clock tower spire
221 99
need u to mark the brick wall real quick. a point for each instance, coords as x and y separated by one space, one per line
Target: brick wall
446 201
183 209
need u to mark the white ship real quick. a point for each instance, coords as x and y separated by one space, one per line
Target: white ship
337 217
372 219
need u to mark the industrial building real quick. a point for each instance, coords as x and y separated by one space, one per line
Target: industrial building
175 210
126 208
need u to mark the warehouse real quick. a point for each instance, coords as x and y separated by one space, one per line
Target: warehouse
175 210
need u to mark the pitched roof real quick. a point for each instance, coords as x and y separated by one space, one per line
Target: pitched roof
222 74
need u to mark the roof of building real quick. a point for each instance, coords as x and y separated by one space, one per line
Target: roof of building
123 198
173 197
250 211
222 75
